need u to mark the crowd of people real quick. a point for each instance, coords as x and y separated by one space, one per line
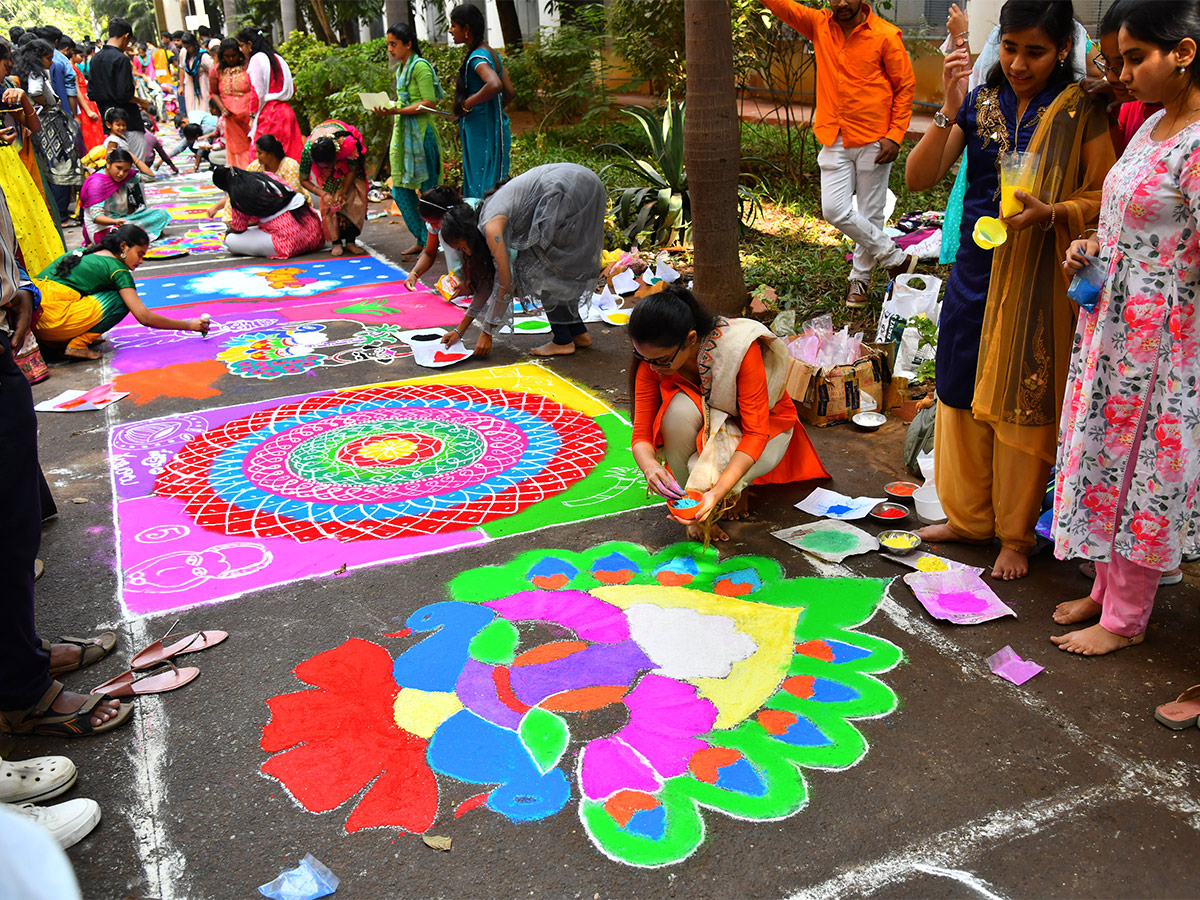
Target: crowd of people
1033 390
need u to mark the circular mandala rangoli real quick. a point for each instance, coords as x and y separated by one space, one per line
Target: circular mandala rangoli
383 462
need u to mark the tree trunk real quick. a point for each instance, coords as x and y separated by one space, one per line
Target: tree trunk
326 32
287 15
510 25
229 11
712 151
398 11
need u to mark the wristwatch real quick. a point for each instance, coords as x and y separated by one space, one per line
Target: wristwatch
940 120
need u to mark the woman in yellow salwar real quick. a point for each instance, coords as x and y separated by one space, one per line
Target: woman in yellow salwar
87 292
39 240
997 432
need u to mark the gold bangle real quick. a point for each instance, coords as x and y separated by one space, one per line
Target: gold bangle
1049 225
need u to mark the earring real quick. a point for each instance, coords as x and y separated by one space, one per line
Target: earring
1181 69
123 254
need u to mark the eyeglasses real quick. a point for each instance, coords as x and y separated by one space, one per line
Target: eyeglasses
1105 66
661 362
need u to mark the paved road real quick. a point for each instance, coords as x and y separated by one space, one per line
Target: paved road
1064 787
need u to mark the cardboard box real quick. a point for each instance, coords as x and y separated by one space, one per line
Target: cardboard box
830 396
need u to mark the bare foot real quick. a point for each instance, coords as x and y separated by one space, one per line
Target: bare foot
69 702
553 349
412 251
696 532
582 340
740 509
352 249
1094 641
82 353
1073 611
1010 565
336 250
943 534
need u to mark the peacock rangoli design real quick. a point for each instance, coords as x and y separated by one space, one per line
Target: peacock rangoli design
643 689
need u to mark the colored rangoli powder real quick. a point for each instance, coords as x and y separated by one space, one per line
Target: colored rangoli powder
685 503
891 513
899 543
829 541
963 601
931 564
901 489
839 509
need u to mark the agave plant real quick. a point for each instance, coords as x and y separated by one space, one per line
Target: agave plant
661 208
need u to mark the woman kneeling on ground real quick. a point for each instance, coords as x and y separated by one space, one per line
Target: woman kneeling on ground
709 394
113 197
432 207
538 237
267 218
87 292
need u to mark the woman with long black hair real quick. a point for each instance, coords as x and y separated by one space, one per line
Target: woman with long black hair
416 155
538 238
194 72
271 80
88 291
478 103
57 137
267 218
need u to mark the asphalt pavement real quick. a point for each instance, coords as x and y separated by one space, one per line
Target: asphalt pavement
1062 787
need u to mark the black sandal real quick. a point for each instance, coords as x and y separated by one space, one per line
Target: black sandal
42 719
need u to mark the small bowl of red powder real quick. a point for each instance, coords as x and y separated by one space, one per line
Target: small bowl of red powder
889 512
900 490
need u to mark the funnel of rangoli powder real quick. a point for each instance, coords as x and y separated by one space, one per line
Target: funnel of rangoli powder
990 232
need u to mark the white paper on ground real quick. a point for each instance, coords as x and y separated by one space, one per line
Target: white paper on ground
624 282
824 502
67 401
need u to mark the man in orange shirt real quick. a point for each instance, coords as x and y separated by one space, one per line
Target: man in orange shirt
865 86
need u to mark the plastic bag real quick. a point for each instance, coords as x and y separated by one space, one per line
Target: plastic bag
784 324
308 881
912 295
910 354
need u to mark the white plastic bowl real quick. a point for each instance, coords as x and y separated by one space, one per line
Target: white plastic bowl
868 421
928 507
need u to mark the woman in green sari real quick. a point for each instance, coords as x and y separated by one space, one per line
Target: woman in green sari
416 155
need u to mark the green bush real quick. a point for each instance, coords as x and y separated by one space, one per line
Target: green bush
648 36
560 69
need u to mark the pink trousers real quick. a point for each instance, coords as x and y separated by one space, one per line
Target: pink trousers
1125 590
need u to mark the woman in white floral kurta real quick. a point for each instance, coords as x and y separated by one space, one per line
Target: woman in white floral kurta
1129 457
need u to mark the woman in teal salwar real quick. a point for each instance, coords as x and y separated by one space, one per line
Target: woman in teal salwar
482 123
416 155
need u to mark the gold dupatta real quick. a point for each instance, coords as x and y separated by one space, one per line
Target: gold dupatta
1029 322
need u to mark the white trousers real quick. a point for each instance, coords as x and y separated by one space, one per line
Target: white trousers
251 242
681 426
846 173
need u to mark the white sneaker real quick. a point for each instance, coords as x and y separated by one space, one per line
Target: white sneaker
35 780
68 823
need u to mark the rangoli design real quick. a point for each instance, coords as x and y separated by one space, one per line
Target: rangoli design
331 482
645 691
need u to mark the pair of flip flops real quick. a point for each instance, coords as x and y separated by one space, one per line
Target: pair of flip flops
132 683
1182 712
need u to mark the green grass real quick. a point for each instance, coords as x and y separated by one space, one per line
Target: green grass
792 249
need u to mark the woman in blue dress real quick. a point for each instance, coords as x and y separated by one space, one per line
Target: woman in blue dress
1005 331
479 105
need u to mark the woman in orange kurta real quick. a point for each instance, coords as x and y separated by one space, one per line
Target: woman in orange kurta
234 95
709 395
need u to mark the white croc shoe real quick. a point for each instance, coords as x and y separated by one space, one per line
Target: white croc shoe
35 780
68 823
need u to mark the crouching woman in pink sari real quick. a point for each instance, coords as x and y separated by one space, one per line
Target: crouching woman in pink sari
333 166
